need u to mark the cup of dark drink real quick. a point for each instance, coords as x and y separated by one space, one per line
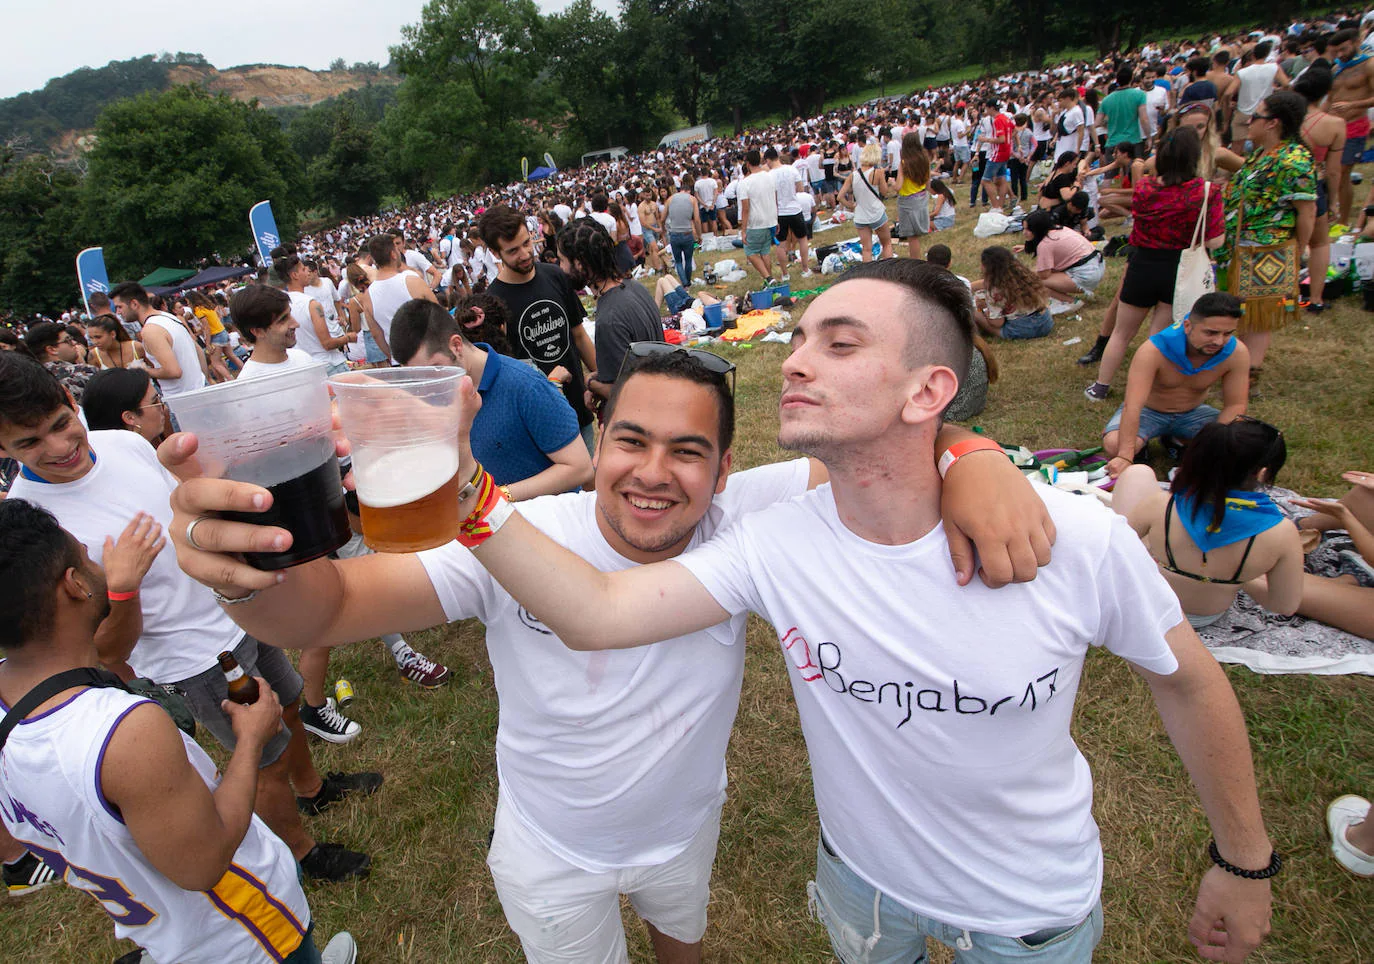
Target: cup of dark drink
274 431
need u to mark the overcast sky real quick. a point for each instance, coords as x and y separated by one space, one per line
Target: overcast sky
52 37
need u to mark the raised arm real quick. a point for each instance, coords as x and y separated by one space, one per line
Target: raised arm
126 562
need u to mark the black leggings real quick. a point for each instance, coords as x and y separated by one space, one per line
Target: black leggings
1020 188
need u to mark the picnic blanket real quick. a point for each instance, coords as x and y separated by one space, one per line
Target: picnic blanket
749 325
1269 643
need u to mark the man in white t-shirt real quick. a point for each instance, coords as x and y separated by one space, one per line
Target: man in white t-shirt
1070 124
705 188
173 630
952 798
415 261
792 232
758 215
958 132
611 766
314 335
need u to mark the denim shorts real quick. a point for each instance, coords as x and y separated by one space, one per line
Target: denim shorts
1088 275
993 170
1036 324
961 153
374 353
1155 424
205 691
867 926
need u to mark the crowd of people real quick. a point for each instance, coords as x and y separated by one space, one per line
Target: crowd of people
595 455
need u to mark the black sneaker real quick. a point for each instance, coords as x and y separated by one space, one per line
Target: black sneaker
1097 392
27 874
328 723
1093 356
335 787
331 862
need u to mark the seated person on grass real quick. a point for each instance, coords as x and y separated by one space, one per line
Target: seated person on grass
1171 374
668 290
1215 530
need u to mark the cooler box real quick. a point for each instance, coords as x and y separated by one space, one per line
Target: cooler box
761 300
714 315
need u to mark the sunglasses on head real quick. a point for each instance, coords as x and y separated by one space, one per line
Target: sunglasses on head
711 363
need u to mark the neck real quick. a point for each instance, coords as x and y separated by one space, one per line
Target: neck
25 668
510 276
475 361
269 353
886 494
601 287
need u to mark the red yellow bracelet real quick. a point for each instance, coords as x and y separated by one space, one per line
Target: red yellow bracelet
490 513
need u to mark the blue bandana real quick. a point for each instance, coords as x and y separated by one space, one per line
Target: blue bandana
1354 61
1172 343
1247 514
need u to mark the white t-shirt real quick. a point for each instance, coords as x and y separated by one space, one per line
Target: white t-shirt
807 204
418 263
1157 106
958 132
564 212
184 630
606 221
705 189
762 193
786 177
186 352
306 338
612 759
1073 141
328 296
937 716
295 358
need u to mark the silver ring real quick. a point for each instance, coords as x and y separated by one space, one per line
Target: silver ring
191 533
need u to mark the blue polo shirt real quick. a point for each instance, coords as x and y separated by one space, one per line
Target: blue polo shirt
523 417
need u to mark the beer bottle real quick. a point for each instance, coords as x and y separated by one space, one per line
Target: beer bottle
242 687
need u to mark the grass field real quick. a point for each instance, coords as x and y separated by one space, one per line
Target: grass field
430 898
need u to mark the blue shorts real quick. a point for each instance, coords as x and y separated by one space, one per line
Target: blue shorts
993 170
818 187
846 905
708 214
1155 424
220 339
1323 200
1036 324
374 353
1354 150
758 241
961 153
677 299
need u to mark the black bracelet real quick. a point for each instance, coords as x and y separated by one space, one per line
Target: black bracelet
1275 864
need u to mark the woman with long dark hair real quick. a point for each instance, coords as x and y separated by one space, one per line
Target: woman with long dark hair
1010 300
1066 262
111 344
1216 529
125 399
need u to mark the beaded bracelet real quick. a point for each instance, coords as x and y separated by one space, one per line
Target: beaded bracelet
1275 864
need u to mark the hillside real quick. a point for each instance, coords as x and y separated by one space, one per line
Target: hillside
55 117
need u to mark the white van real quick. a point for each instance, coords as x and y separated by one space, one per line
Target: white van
609 154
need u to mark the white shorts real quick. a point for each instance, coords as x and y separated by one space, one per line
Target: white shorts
566 915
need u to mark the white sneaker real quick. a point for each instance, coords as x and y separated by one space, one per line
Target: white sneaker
341 949
807 273
1058 307
328 723
1343 813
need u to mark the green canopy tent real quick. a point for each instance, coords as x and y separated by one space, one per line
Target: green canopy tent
162 277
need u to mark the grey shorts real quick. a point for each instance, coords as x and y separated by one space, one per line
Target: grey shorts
205 691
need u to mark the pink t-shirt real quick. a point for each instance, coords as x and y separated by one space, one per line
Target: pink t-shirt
1061 248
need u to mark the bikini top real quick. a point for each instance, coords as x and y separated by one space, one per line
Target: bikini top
1318 151
1172 566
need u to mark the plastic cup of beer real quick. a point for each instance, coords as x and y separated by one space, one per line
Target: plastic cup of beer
402 424
275 431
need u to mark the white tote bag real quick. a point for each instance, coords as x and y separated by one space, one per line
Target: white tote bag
1196 274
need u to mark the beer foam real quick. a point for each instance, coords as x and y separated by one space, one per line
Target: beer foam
403 476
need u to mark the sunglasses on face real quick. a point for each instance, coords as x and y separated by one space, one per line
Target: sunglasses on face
711 363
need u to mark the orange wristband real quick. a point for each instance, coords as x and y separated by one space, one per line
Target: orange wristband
959 449
121 596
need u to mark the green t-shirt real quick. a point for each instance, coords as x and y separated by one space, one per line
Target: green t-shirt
1121 108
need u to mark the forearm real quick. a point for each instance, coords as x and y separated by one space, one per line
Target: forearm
557 478
234 799
1231 411
585 349
298 612
118 632
1204 722
1307 216
599 388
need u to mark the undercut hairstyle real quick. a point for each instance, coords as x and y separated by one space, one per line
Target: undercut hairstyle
679 364
493 324
1218 304
256 307
35 553
29 392
420 323
589 244
43 336
382 249
499 225
1178 157
1228 456
941 316
111 393
131 291
285 265
1288 109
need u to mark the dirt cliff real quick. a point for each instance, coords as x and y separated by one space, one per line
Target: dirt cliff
275 86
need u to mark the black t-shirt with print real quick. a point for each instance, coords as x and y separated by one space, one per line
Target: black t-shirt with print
543 311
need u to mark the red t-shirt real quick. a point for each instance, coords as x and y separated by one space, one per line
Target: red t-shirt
1002 126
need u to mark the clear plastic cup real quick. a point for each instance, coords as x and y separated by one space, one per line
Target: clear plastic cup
275 431
402 425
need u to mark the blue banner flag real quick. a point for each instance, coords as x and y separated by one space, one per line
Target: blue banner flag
90 274
264 227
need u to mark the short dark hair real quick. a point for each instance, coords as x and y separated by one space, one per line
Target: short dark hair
35 552
680 364
1218 303
498 225
1199 65
111 393
382 249
1288 109
43 336
1124 75
1262 50
939 255
256 307
29 392
752 158
948 338
589 243
421 323
99 302
770 154
131 291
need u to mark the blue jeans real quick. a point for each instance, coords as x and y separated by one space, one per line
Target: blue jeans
867 926
682 256
1037 324
307 953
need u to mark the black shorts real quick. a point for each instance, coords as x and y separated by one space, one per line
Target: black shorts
708 214
1150 277
1323 201
791 226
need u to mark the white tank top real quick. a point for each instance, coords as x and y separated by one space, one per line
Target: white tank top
387 296
306 339
51 801
186 353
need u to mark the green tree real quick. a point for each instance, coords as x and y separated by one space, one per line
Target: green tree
348 177
39 206
173 174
